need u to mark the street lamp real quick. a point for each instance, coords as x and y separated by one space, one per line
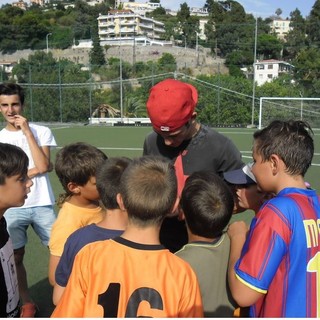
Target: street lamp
47 40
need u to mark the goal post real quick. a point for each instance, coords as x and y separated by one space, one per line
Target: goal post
287 108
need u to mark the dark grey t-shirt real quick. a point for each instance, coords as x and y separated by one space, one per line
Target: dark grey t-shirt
207 150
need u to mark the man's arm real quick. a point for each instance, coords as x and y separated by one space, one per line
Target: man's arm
242 294
40 155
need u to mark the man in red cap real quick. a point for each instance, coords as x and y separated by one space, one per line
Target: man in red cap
190 145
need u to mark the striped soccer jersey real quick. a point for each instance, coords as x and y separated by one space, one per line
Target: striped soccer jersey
281 256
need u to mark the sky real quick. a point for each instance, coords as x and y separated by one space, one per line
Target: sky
259 8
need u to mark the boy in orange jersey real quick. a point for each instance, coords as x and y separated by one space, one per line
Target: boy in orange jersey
76 165
134 275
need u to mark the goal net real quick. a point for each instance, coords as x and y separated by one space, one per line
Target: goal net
276 108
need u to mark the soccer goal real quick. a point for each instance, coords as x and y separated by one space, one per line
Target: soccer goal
280 108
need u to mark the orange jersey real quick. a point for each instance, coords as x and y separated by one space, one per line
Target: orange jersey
119 278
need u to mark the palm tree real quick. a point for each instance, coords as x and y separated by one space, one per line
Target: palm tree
134 108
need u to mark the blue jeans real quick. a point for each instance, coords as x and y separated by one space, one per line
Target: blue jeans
18 220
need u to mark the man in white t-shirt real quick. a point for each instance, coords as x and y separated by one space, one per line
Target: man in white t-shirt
37 211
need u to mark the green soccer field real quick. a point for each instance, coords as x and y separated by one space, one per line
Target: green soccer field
119 141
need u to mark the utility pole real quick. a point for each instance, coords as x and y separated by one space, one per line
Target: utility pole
254 72
134 49
197 48
120 56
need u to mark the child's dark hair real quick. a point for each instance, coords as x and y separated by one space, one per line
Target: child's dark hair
13 161
207 203
9 89
108 180
77 163
291 140
149 190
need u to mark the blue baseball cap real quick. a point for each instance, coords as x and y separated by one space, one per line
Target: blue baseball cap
240 176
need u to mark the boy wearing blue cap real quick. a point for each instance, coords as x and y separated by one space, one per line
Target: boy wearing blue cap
247 194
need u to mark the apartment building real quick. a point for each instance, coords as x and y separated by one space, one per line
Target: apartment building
127 27
280 26
20 4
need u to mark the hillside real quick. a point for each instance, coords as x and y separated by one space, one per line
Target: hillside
200 62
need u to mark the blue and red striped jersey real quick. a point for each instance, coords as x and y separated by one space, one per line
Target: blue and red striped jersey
281 256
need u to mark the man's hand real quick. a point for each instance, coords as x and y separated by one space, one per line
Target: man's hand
21 123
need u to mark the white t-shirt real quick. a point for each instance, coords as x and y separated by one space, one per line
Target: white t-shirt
41 193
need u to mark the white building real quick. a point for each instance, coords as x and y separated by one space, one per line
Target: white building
140 8
196 11
6 67
127 27
280 26
268 70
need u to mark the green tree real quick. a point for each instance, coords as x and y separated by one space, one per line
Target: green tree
134 107
237 59
229 30
62 37
217 106
269 46
296 37
157 13
97 57
313 25
167 62
55 101
188 25
307 68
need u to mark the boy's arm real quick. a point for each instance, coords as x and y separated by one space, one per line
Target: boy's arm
40 155
53 263
57 293
242 294
64 268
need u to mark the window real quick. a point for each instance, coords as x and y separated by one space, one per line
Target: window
270 66
270 76
260 66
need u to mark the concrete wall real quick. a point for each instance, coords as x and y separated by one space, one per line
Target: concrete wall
200 62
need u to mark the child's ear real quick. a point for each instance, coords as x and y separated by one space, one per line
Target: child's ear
276 162
181 215
73 188
120 202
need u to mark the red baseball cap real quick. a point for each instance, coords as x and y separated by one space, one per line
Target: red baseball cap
171 104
